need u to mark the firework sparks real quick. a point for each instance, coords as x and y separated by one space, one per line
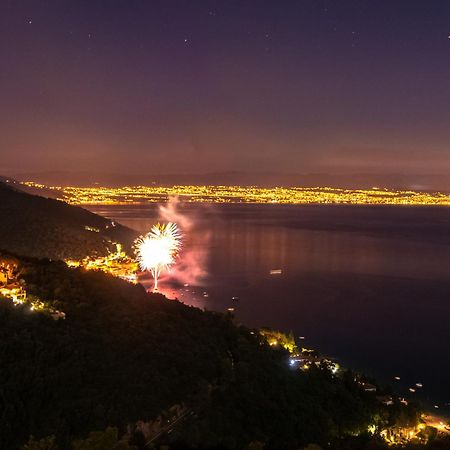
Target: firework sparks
157 250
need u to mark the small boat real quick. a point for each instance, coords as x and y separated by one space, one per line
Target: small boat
235 299
276 272
419 385
397 378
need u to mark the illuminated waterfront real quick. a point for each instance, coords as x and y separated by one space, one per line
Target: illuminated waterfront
101 195
117 264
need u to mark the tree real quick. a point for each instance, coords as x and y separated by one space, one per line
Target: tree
256 445
47 443
102 440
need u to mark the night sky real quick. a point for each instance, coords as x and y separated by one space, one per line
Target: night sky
157 87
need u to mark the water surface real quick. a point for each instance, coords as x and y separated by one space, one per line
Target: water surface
368 285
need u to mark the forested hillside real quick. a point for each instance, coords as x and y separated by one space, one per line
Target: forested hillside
40 227
122 355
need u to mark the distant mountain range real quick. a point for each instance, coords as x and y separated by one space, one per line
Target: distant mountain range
430 182
46 228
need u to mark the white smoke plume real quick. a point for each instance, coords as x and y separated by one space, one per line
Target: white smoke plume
190 267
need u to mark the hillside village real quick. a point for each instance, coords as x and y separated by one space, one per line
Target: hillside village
10 285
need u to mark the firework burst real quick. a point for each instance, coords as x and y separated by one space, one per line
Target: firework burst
157 250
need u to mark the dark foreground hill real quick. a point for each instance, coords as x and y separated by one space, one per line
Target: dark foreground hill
41 227
122 355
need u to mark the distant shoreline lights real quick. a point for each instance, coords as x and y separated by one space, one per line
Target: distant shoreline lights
100 195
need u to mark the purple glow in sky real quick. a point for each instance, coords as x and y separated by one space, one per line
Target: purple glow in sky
183 87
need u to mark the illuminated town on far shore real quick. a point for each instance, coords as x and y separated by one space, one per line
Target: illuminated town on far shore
101 195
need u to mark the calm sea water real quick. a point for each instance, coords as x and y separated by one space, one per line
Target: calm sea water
367 285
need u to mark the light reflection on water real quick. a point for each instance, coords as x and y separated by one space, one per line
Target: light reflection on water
367 285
